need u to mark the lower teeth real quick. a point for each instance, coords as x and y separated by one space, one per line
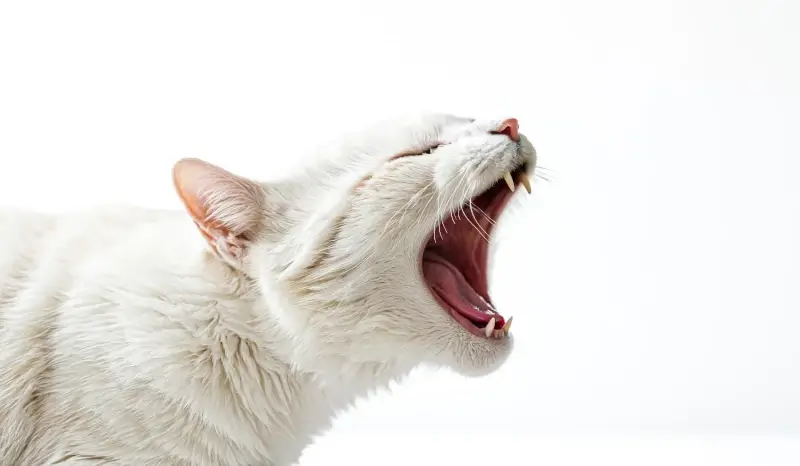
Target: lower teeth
489 328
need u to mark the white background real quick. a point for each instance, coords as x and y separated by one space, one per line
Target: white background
654 280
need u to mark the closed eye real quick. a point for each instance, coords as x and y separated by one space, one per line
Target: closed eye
428 149
418 151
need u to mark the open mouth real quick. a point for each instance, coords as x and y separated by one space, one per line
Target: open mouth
455 259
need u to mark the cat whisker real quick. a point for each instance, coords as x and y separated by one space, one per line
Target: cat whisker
401 209
460 180
424 209
372 253
476 225
484 234
483 213
546 176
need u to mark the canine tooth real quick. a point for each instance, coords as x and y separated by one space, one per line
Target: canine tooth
523 177
507 326
509 181
489 328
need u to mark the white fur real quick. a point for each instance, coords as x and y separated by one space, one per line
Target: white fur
123 340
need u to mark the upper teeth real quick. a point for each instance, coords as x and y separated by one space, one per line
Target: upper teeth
509 181
523 178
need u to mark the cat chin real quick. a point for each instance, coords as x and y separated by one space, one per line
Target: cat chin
477 358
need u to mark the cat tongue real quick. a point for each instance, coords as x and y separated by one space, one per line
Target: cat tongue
449 284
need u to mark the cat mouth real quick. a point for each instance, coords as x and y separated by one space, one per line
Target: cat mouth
455 259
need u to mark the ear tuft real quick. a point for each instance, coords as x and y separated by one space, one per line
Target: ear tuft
227 208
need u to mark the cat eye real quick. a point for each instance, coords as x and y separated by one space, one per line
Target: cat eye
419 151
430 148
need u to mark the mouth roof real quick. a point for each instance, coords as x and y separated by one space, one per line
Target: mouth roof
455 260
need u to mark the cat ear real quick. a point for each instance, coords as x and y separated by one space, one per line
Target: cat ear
227 208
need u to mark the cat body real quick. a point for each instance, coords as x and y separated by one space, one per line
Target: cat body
233 332
120 332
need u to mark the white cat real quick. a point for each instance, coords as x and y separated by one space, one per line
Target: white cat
234 334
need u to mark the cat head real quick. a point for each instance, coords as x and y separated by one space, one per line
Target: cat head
375 255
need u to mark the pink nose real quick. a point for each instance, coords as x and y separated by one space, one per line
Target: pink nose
509 127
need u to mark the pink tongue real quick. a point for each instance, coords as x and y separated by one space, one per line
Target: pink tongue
451 286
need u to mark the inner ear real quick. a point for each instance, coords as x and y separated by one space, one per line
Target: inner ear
228 209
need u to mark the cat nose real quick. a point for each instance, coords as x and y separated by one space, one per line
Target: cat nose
509 127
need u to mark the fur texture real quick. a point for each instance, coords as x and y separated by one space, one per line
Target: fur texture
140 337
